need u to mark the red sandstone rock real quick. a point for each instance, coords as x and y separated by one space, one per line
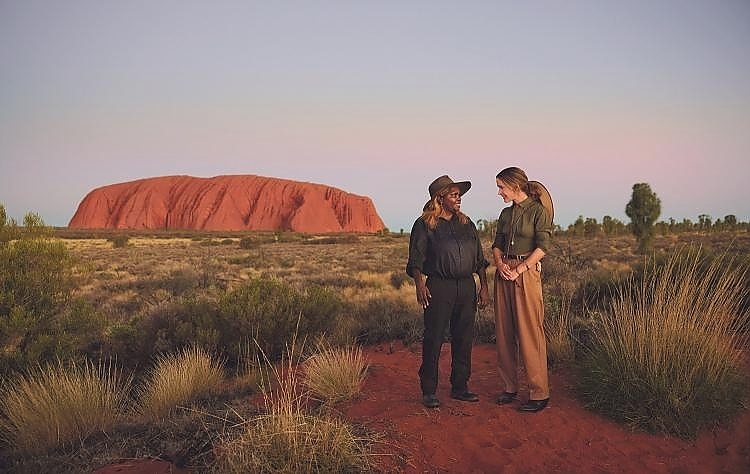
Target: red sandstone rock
238 202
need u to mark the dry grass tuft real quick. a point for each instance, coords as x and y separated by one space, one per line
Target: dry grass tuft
335 374
178 379
287 438
664 359
61 404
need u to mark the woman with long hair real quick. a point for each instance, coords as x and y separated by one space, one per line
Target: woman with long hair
524 231
444 247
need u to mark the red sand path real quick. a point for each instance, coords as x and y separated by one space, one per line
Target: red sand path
483 437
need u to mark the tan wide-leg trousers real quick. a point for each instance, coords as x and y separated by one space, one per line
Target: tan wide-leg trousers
519 328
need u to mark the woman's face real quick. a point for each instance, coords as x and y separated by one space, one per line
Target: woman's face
505 191
451 200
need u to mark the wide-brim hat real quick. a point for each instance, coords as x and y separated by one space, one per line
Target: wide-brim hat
443 182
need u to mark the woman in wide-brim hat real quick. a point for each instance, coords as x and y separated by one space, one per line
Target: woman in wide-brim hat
440 184
444 247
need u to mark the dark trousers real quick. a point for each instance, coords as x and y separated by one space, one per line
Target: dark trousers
453 304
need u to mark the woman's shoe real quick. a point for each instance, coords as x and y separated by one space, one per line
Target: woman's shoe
506 397
533 406
465 396
430 401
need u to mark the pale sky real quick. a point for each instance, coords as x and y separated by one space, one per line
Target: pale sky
378 98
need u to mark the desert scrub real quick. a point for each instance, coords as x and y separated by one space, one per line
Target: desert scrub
273 311
559 328
61 404
38 317
333 239
664 358
119 241
399 279
333 374
384 319
286 438
178 379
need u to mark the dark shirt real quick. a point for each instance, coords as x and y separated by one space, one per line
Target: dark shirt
451 250
523 227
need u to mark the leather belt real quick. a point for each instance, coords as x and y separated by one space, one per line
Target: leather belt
515 257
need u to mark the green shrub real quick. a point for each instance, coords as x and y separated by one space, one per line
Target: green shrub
263 309
169 328
119 241
121 342
37 319
248 243
245 260
35 274
664 358
271 311
399 279
76 330
383 319
180 282
8 227
333 239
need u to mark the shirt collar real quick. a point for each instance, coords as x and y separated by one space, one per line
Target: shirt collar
525 203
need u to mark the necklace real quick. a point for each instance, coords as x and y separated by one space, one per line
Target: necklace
513 224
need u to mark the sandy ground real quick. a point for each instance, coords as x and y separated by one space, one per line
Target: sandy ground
483 437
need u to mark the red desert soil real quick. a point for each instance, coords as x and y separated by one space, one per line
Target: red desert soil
483 437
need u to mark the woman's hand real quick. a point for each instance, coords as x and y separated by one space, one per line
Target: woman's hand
423 294
507 273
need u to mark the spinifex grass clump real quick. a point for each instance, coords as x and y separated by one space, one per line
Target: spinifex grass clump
179 379
61 404
334 374
288 438
665 357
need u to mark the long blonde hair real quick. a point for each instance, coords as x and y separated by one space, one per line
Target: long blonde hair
434 209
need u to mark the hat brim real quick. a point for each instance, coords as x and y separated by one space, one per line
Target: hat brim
463 187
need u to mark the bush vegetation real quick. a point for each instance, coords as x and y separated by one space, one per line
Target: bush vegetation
179 379
61 404
119 241
333 374
40 319
78 299
286 437
664 356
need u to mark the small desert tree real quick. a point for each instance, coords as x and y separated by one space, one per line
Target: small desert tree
8 227
39 319
643 210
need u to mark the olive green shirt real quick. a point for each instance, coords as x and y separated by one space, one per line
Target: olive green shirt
523 227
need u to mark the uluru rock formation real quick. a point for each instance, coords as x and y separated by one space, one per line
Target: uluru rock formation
235 202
